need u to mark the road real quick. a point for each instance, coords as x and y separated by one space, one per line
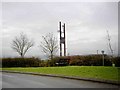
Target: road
12 80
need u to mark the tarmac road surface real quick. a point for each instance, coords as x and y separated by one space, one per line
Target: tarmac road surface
13 80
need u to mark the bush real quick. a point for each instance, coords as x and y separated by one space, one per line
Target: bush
83 60
88 60
116 61
57 61
21 62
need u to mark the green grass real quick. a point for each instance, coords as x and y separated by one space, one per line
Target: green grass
99 72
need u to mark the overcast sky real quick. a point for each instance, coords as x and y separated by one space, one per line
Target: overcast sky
86 25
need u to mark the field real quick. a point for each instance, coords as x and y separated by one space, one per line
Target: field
99 72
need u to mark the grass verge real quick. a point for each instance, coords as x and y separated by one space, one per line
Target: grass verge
98 72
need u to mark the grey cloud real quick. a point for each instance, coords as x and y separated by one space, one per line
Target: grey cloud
86 24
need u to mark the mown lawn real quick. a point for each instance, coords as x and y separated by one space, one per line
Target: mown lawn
100 72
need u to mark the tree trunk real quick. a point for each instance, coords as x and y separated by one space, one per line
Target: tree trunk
22 56
51 56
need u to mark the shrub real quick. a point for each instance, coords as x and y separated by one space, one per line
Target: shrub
116 61
21 62
57 61
83 60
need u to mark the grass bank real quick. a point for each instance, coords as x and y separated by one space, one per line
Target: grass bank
99 72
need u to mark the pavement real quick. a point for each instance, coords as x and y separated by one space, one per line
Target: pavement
17 80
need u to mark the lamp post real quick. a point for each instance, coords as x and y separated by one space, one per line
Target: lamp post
103 56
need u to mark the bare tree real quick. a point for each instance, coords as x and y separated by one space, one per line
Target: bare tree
110 47
109 43
49 45
22 44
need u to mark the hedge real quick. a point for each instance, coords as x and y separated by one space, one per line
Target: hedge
21 62
84 60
